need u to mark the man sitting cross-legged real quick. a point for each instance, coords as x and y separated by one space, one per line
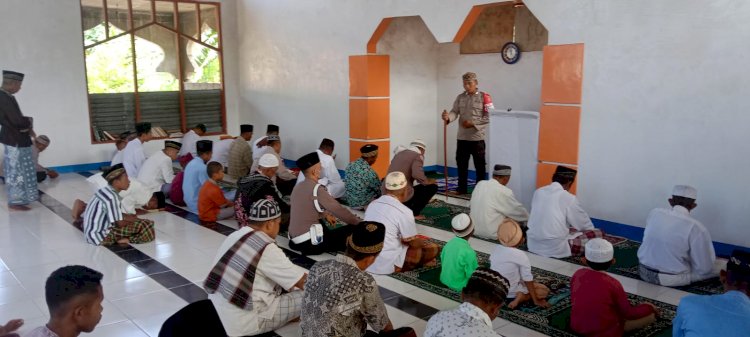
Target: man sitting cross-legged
410 162
252 284
403 250
103 220
341 299
260 185
492 202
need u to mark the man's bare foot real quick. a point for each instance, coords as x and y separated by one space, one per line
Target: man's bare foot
432 263
19 208
420 217
78 207
514 304
123 241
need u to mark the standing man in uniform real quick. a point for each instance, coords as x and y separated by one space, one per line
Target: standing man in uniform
16 131
472 110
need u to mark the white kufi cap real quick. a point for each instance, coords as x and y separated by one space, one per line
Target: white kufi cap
685 191
268 160
599 251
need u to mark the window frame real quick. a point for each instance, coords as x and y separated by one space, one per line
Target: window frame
181 75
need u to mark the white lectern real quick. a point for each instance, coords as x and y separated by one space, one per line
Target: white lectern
513 140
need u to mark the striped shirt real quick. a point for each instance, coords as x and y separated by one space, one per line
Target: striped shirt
102 211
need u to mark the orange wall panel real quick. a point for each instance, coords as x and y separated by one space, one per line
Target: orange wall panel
369 76
544 173
384 159
562 74
369 118
372 45
558 133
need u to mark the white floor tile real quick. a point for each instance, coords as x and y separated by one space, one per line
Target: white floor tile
151 304
119 329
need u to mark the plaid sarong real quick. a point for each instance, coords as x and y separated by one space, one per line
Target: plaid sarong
416 257
234 273
140 231
578 244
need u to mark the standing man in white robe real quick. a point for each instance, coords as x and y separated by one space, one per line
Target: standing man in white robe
133 156
157 171
558 225
329 176
677 249
492 202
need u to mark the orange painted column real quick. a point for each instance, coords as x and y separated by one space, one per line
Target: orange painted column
560 115
369 107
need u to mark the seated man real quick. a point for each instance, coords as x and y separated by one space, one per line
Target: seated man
240 153
260 144
189 142
252 284
329 175
137 199
403 250
103 220
362 182
483 297
286 179
40 144
726 315
492 202
74 298
220 152
260 185
157 172
195 174
341 299
411 163
676 249
134 155
558 226
311 202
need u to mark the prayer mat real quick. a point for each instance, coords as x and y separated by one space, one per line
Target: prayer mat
554 321
452 185
438 214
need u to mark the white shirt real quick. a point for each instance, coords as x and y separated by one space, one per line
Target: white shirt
117 158
134 197
329 176
275 272
553 211
258 150
133 157
399 224
491 203
221 151
514 265
467 320
156 171
676 243
188 143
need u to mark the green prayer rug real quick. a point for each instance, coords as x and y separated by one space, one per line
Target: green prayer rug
554 321
439 213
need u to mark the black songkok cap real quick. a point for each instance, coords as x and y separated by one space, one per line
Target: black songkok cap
307 161
12 75
204 146
272 128
369 150
246 128
565 171
172 144
114 172
367 237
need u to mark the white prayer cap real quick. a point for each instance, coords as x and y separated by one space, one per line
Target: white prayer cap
462 225
685 191
268 160
419 143
395 181
599 251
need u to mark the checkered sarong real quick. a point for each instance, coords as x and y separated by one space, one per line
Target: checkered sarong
140 231
578 244
290 307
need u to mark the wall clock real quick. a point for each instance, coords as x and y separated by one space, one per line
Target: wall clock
510 53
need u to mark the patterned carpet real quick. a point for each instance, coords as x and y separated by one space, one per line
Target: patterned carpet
553 321
439 215
452 185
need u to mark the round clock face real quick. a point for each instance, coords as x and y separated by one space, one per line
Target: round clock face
510 53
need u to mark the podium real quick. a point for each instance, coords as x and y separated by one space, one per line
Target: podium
512 140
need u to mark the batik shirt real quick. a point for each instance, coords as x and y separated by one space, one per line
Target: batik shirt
340 300
362 183
466 320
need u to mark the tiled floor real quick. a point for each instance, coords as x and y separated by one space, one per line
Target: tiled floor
146 284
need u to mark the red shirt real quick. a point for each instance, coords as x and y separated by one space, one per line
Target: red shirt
600 306
210 200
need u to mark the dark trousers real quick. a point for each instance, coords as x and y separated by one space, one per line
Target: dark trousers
476 150
400 332
334 240
422 195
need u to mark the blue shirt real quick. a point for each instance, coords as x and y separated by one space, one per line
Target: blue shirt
195 176
726 315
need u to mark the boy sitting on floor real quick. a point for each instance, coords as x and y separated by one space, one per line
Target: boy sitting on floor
212 204
600 306
74 297
103 220
515 266
459 260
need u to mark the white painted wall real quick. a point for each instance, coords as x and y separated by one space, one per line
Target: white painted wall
43 40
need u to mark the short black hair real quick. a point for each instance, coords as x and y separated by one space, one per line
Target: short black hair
600 266
201 127
326 144
562 179
68 282
213 167
357 256
683 201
